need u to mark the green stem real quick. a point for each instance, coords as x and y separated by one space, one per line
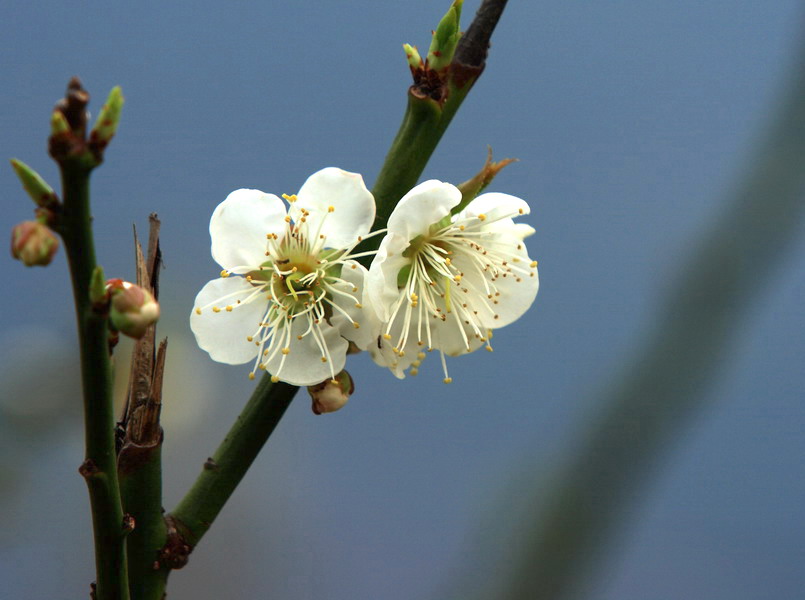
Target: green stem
423 126
99 467
141 488
222 473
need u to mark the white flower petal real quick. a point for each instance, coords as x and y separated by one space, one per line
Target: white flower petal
493 205
239 225
357 306
386 265
303 365
426 204
353 206
454 337
223 333
513 294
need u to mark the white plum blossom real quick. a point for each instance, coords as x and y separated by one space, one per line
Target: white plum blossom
444 282
289 296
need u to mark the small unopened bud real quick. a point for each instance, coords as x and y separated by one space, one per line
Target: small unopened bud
330 395
132 309
33 243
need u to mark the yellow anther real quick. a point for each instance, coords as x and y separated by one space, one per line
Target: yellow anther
215 309
356 325
251 376
224 274
198 311
299 337
448 380
461 227
323 359
229 308
354 266
416 363
330 208
286 351
386 336
489 348
274 379
533 264
249 338
287 219
520 210
421 355
249 278
413 372
447 261
262 366
358 305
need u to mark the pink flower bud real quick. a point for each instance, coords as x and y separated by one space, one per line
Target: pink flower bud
132 309
33 243
332 394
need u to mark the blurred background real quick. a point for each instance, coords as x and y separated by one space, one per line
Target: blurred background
632 121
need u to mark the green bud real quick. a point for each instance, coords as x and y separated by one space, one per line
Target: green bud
332 394
445 38
39 191
98 294
108 119
132 309
412 54
58 123
33 243
472 187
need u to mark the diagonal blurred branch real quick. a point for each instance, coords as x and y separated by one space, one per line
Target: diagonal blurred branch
659 394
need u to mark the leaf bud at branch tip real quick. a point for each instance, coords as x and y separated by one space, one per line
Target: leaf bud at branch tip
108 119
445 38
39 191
33 243
413 57
58 124
332 394
132 309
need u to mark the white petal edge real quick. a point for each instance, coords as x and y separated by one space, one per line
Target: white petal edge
353 206
361 312
426 204
382 281
239 225
223 334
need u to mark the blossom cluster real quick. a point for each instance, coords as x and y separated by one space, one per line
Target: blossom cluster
293 298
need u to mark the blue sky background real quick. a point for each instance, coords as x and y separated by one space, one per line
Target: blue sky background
632 122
